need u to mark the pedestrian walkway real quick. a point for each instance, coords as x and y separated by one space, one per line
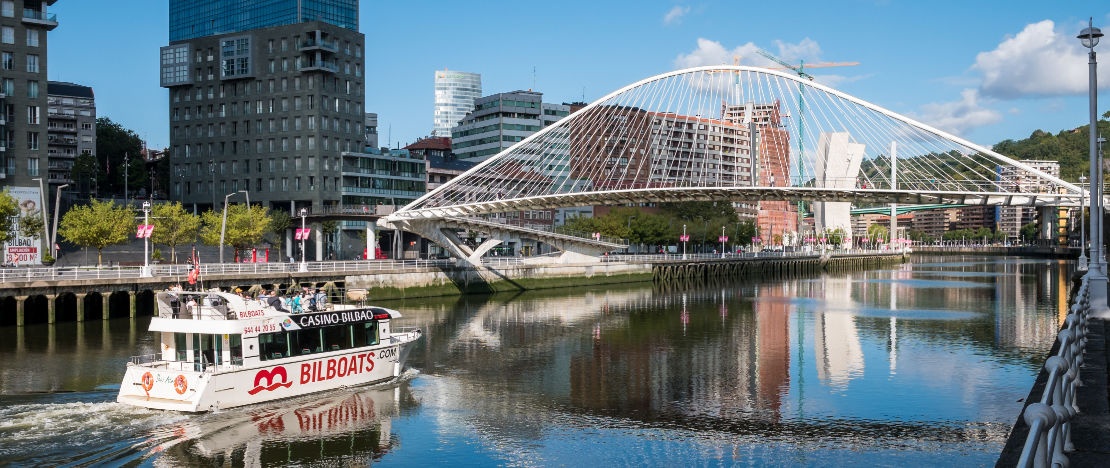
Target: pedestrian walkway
1091 427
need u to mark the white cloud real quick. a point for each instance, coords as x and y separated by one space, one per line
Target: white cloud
959 117
675 14
1038 61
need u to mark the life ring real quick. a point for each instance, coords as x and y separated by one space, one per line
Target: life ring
147 382
180 384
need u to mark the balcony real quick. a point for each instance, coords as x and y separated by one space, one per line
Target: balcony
322 65
313 44
58 115
39 18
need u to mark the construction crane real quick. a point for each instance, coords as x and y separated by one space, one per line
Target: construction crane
800 70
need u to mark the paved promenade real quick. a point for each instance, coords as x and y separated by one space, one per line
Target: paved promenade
1091 427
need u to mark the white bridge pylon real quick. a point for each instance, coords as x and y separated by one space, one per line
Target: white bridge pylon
735 133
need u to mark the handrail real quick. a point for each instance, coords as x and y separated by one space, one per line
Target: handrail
1049 420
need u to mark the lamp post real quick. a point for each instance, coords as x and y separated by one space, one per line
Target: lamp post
723 239
42 208
1082 230
146 240
1089 38
223 225
304 213
684 239
54 231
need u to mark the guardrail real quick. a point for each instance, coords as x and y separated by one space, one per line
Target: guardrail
1049 420
23 275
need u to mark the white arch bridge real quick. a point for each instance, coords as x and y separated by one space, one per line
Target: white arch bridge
718 133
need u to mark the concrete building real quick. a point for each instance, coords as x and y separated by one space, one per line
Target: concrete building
1012 218
27 169
71 130
769 143
370 130
500 121
838 162
455 94
265 98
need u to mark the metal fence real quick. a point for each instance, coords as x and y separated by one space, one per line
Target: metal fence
1049 420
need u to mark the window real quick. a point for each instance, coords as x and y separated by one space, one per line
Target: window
33 115
32 38
9 87
33 144
7 8
32 89
7 35
33 163
7 60
32 63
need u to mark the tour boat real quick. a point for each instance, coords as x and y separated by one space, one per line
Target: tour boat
220 350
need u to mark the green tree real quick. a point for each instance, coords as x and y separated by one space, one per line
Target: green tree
9 209
245 226
116 144
280 222
1029 232
173 226
877 233
98 225
31 224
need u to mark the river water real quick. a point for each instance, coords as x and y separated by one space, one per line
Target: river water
924 363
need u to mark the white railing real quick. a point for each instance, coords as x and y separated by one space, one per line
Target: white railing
1049 420
21 274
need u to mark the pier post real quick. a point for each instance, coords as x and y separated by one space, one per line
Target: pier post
20 311
105 311
131 302
51 308
80 306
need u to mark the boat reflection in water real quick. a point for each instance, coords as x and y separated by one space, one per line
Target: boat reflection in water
341 427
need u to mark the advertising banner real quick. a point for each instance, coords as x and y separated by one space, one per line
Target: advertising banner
22 250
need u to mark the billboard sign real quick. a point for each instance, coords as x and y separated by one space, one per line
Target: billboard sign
21 250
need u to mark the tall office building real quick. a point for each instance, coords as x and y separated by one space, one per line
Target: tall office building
23 33
455 95
26 168
265 96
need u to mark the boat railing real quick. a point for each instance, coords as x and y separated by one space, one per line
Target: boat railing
404 334
144 359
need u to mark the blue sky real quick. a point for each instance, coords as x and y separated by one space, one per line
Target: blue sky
983 70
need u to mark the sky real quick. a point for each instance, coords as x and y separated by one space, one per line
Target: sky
984 70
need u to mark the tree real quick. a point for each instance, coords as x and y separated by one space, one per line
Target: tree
280 222
1029 232
245 226
9 209
876 232
115 143
98 225
173 226
31 224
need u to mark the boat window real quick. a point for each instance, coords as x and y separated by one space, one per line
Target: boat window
309 340
365 334
235 342
337 337
179 340
273 345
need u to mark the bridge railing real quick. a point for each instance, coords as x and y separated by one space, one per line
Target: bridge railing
1049 419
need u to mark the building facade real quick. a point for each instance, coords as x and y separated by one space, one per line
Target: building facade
1012 218
455 94
264 96
24 26
71 130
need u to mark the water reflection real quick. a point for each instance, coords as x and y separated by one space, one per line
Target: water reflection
921 363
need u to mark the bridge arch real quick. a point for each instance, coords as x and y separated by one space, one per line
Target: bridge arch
736 133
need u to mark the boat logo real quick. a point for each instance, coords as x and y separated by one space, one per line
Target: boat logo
289 324
274 378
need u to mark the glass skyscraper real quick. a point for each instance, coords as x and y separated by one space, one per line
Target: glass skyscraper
190 19
455 95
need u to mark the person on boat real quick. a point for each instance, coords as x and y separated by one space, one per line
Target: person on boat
275 301
321 299
295 302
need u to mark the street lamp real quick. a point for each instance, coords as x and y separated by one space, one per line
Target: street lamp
126 169
1082 232
304 213
684 239
223 225
723 239
54 231
146 240
1089 38
42 208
